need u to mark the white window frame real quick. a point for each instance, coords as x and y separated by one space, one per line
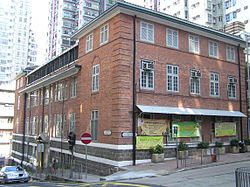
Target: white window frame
89 43
172 78
146 77
232 89
72 122
94 124
46 96
46 124
194 44
214 84
213 49
148 30
195 85
104 34
174 35
230 53
95 77
73 88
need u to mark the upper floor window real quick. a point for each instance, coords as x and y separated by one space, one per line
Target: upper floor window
95 77
147 32
194 44
195 76
46 96
214 84
147 74
72 123
104 34
230 53
232 87
89 43
73 87
94 124
172 78
46 124
172 38
213 49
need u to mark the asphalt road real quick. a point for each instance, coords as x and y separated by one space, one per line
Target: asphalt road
215 176
100 184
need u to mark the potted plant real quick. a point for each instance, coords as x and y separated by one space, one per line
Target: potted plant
219 149
234 143
247 143
203 146
157 153
182 150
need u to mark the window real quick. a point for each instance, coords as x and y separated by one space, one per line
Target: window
89 43
214 84
172 78
72 123
73 87
172 38
95 78
230 53
46 124
103 34
147 75
195 82
59 123
46 96
94 124
147 32
213 49
27 125
194 45
232 87
60 91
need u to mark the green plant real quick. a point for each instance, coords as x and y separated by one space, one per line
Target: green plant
203 145
158 149
234 142
219 144
182 146
247 141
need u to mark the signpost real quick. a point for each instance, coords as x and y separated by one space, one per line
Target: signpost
86 139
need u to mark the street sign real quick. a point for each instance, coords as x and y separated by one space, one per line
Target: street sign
126 134
86 138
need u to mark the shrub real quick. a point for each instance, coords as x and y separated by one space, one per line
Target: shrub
158 149
234 142
203 145
182 146
247 141
219 144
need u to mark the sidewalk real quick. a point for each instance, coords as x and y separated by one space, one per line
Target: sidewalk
167 167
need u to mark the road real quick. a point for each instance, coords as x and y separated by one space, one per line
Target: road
222 176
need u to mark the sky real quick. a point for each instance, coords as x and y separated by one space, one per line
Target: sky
40 12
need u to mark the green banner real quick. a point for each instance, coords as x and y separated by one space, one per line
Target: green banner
185 129
145 142
225 129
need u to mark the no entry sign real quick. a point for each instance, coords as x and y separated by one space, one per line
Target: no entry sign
86 138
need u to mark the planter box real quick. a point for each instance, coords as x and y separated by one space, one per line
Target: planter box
220 150
234 149
157 158
183 155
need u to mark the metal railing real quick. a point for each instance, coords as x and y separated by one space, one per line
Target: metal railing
242 177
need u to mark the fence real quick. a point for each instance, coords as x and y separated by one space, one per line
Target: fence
242 177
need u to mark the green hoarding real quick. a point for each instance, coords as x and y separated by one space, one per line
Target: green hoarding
185 129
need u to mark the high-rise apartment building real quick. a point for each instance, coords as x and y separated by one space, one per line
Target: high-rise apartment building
67 16
15 38
238 11
209 13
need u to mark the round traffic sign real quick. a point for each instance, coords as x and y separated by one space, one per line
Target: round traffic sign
86 138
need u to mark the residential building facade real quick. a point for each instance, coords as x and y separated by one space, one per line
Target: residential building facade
133 71
15 38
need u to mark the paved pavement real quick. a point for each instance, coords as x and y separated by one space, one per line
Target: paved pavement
167 167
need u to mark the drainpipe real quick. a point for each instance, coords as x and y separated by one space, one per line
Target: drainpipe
134 93
241 128
24 127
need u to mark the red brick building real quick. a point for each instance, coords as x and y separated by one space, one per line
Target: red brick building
134 78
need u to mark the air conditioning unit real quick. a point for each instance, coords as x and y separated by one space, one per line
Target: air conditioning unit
147 65
232 80
195 73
